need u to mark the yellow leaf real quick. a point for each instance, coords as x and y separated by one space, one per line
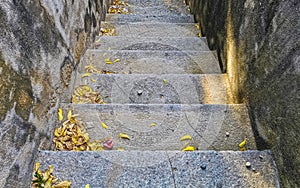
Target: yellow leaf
199 34
69 115
86 75
109 48
120 149
153 124
165 81
189 148
104 54
243 143
117 60
87 186
124 136
60 114
108 62
37 166
63 184
186 137
50 169
104 125
93 80
171 9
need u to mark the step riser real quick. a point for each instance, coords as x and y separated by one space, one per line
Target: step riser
161 44
152 62
159 89
163 169
207 124
149 18
152 30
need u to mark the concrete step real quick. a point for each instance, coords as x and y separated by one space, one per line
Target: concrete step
163 168
212 127
166 10
159 89
149 18
153 43
152 62
152 29
154 3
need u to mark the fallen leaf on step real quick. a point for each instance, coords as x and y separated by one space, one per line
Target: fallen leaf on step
104 125
165 81
124 136
189 148
117 60
60 114
120 149
63 184
243 143
108 144
86 75
153 124
171 9
186 137
87 186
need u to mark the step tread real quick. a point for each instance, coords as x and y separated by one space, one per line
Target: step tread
152 62
162 168
153 3
160 89
152 29
149 18
207 124
165 9
152 43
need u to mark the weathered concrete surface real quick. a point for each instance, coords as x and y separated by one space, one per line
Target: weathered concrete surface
149 18
163 169
152 43
152 62
152 29
213 127
41 41
159 10
159 89
258 42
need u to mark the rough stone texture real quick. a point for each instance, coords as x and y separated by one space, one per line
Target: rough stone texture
207 124
152 62
163 168
41 43
258 43
159 89
152 43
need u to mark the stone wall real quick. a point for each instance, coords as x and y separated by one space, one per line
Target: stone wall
258 44
41 42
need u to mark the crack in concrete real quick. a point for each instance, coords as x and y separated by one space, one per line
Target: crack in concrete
172 168
197 132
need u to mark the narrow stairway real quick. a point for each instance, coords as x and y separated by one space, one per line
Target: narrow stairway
162 89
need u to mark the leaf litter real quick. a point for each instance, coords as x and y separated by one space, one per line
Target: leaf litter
47 179
119 7
72 136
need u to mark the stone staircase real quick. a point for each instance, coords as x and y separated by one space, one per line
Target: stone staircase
166 84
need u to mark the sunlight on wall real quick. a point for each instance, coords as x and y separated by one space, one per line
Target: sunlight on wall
231 56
